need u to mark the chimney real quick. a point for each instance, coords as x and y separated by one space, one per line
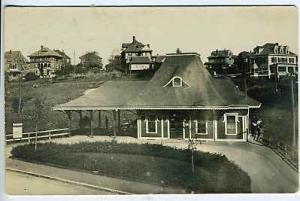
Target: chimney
10 51
133 38
42 47
148 45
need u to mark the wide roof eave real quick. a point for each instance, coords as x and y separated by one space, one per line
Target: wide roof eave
68 108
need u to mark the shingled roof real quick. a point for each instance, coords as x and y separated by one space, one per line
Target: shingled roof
201 91
63 54
45 52
220 53
269 48
135 46
15 56
140 60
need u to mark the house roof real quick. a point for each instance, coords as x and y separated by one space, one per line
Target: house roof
269 48
62 53
220 53
160 59
201 92
140 60
15 56
45 52
135 46
93 54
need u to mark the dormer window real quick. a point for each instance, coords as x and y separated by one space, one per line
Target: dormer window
176 81
276 50
281 50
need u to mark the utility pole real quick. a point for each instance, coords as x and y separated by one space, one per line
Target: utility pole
293 112
74 58
245 75
20 94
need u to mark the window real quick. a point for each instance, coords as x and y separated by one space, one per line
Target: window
231 124
281 69
274 59
291 60
291 69
177 82
151 124
201 127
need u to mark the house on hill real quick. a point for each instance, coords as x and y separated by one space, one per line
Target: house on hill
273 59
66 60
14 64
136 56
182 100
46 61
91 60
220 61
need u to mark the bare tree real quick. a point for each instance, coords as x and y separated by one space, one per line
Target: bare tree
38 116
192 147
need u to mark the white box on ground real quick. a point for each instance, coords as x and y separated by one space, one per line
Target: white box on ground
17 130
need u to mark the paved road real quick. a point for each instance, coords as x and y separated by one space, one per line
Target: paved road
23 184
268 172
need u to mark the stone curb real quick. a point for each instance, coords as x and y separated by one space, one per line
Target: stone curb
70 181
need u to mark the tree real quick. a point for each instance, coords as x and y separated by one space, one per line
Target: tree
38 116
192 147
30 76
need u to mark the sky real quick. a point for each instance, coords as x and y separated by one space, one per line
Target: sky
77 30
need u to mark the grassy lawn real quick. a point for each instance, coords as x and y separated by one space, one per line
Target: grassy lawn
276 108
51 92
155 164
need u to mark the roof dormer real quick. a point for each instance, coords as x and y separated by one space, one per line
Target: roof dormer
176 81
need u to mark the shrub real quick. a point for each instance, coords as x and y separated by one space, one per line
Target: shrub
144 162
30 76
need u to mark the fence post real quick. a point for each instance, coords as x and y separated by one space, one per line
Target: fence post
28 135
50 135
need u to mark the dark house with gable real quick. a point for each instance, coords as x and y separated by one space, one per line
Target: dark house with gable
182 100
136 56
46 62
15 64
220 61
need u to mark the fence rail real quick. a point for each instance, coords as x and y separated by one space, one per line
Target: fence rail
46 134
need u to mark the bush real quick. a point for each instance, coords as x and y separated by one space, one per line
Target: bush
144 162
30 76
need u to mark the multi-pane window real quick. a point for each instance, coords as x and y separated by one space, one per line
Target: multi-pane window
274 59
281 69
291 60
201 127
231 124
151 125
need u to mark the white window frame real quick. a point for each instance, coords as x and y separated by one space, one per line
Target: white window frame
147 126
236 116
181 82
196 126
173 82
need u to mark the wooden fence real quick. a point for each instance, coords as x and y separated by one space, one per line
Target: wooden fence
40 135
